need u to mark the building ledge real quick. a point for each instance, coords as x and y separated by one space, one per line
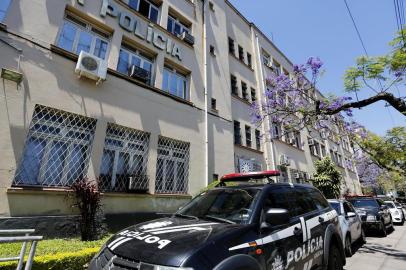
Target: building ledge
146 195
285 143
241 99
242 62
3 27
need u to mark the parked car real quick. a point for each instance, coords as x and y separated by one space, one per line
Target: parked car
247 226
374 213
350 223
401 208
397 214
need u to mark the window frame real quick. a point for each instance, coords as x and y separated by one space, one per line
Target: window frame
151 5
237 133
248 136
258 139
244 92
183 27
175 72
234 84
82 25
231 46
241 53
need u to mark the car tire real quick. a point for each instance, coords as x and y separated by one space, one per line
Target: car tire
348 247
382 229
335 261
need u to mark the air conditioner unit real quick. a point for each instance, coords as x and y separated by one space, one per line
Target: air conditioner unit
284 160
310 142
91 67
291 141
138 183
188 38
335 148
323 135
139 73
296 175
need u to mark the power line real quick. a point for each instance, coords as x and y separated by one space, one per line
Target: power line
356 28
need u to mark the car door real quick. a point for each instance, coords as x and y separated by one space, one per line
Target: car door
354 227
385 211
280 243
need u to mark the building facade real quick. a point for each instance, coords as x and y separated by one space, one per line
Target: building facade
170 115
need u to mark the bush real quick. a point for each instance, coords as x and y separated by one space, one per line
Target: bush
60 261
327 178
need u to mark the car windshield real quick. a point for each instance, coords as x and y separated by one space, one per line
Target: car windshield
364 203
389 204
336 206
398 204
232 205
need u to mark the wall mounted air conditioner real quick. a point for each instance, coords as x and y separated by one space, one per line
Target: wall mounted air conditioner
335 148
139 73
188 38
138 183
91 67
284 160
291 141
296 175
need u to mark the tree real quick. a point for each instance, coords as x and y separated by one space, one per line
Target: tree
327 178
295 102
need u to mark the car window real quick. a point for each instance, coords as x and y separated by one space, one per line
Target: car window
347 208
279 197
389 204
304 203
336 206
364 203
318 198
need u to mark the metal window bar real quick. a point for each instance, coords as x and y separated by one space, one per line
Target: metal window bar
57 149
172 170
124 161
18 239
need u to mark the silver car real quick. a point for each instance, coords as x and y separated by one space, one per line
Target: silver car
350 223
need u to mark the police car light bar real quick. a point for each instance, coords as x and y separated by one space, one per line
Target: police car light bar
248 176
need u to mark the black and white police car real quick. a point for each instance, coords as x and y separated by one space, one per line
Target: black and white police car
252 224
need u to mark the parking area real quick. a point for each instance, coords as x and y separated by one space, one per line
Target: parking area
379 253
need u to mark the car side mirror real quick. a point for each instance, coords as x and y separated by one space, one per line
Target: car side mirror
351 215
276 217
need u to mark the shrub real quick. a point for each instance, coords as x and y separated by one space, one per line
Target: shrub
60 261
327 178
88 200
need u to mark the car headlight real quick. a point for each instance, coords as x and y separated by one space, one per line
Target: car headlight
397 213
145 266
371 218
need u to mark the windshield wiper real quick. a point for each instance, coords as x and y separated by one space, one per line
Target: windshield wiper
218 219
185 216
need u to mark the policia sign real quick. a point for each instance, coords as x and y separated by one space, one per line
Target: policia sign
245 227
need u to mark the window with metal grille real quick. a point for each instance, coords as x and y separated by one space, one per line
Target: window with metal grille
258 139
244 90
124 161
248 136
172 170
57 149
231 46
237 133
241 53
234 87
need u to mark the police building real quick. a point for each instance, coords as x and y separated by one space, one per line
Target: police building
150 98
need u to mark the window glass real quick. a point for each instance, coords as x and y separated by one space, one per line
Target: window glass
170 25
153 15
129 58
144 8
364 203
100 49
84 43
304 203
336 206
165 81
4 4
31 162
123 63
133 4
318 198
389 204
280 197
67 36
347 208
174 83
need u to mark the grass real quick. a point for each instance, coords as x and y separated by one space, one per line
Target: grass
51 246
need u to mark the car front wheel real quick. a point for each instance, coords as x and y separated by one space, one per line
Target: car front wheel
382 229
335 261
348 248
363 238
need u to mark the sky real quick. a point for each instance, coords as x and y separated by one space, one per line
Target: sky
323 28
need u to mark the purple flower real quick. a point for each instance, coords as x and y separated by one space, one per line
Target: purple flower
315 64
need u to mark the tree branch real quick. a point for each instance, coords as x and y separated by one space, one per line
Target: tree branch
397 103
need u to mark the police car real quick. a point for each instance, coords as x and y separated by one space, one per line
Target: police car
251 224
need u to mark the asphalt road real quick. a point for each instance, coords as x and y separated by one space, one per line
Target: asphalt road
379 253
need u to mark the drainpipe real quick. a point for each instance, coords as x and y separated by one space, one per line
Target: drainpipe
206 124
269 148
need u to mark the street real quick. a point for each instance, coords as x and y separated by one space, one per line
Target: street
381 253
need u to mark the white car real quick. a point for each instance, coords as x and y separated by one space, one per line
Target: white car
401 208
350 223
397 214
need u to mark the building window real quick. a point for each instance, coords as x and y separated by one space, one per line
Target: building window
298 139
215 177
276 67
258 139
212 50
175 82
172 170
57 149
248 136
211 6
234 87
253 95
76 36
266 58
249 59
124 162
240 53
143 64
276 130
145 8
176 27
214 104
4 4
244 90
231 46
323 150
237 133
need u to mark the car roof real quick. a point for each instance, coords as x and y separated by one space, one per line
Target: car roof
335 200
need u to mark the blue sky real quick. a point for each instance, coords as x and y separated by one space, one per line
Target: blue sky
303 28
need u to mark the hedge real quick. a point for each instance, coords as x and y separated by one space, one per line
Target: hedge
60 261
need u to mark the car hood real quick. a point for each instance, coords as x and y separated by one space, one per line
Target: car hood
368 210
167 241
